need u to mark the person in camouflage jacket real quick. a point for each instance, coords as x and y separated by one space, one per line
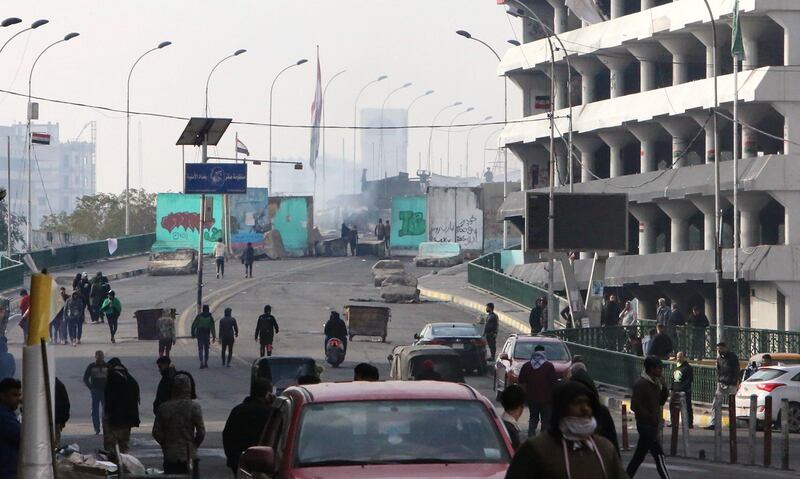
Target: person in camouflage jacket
179 427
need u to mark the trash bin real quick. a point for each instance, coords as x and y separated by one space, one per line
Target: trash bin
147 322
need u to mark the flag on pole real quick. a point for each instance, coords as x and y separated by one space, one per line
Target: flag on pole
316 118
241 147
737 47
587 10
40 138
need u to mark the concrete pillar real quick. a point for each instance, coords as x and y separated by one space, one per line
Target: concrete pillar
702 119
791 215
706 206
791 123
682 130
647 214
790 21
647 134
561 168
679 212
587 145
561 87
750 205
705 35
752 28
750 113
587 68
647 54
791 291
617 8
616 65
680 47
616 141
559 16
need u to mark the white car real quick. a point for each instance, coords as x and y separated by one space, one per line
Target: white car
778 382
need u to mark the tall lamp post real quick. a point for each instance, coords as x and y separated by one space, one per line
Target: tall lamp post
449 128
408 110
469 36
128 137
433 125
67 37
208 80
7 23
486 143
380 143
469 132
324 96
355 129
271 89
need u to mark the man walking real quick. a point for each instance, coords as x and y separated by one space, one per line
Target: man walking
10 428
611 312
649 395
219 257
246 422
661 345
228 332
203 329
96 297
74 317
95 379
380 230
490 329
388 238
698 324
662 313
121 407
538 377
535 318
727 379
248 257
112 308
682 379
266 329
166 332
179 428
354 240
164 389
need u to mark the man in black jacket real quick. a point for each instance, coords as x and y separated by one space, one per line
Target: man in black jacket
727 379
513 401
535 318
121 407
661 347
61 408
335 327
682 379
611 312
490 329
164 389
266 329
246 422
647 402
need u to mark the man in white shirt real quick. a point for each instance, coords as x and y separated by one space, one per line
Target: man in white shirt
219 254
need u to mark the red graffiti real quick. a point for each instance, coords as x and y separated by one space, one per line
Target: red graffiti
188 220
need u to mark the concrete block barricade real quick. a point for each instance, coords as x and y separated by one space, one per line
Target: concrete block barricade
438 255
385 268
169 263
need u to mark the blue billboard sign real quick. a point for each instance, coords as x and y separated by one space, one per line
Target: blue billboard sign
217 178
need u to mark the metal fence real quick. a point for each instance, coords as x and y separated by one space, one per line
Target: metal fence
485 273
623 370
12 273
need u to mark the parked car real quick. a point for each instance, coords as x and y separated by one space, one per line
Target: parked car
283 371
781 359
408 361
778 382
465 338
517 351
380 430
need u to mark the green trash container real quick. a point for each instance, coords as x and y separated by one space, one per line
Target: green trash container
147 322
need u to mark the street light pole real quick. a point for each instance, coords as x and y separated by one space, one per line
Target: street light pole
355 128
66 38
469 132
408 111
128 137
271 89
380 141
430 132
450 127
325 95
208 80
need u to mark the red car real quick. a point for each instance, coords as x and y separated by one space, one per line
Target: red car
393 429
517 351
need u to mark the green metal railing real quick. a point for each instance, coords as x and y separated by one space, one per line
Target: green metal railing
485 273
623 370
12 273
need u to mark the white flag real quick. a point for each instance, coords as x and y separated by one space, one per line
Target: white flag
587 10
112 245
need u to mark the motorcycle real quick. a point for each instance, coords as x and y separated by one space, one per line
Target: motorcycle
334 352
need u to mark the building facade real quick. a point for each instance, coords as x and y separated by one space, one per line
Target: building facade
60 171
384 151
641 86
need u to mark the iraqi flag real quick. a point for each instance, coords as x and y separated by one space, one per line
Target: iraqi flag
316 119
241 147
40 138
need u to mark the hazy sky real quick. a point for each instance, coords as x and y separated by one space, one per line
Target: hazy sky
408 40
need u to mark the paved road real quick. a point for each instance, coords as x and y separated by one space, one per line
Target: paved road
302 292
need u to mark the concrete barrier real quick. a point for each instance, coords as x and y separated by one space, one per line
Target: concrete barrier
438 255
172 263
385 268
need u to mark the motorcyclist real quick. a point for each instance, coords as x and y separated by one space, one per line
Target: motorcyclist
336 328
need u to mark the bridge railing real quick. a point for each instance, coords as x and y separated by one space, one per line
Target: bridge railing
12 273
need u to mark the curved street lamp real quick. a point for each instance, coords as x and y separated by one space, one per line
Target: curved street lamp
449 128
67 37
469 132
380 142
355 128
271 88
324 95
128 137
486 142
208 80
433 125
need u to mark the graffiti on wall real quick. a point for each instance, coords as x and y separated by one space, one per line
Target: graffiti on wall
410 222
178 219
249 218
454 215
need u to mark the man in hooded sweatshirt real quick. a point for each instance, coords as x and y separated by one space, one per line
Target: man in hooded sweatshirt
266 329
121 411
538 376
647 403
179 428
203 329
569 449
246 422
228 332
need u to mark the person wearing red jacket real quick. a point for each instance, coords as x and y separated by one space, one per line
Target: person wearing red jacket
539 378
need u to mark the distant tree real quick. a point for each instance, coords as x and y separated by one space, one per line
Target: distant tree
102 215
18 224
